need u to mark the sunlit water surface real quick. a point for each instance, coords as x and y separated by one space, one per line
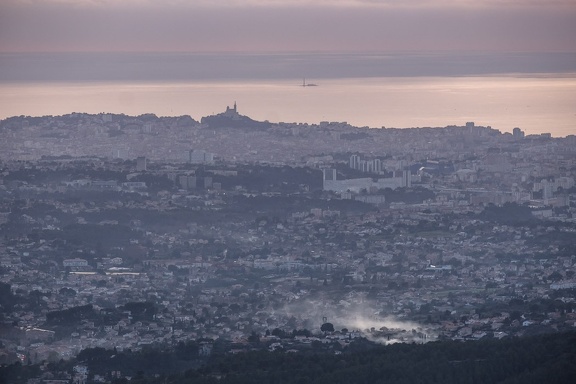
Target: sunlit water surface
536 104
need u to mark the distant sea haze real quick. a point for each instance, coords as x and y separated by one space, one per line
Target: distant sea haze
533 91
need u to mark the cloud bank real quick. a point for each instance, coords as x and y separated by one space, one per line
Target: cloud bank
286 26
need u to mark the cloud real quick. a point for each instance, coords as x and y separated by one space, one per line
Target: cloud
279 25
302 3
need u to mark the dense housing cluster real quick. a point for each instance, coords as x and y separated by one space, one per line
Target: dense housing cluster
225 232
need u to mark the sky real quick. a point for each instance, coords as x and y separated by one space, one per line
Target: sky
287 25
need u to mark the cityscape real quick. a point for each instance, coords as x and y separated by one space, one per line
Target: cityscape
226 235
287 192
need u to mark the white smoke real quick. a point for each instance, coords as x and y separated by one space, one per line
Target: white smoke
357 314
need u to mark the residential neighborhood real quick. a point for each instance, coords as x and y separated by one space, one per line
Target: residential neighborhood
127 232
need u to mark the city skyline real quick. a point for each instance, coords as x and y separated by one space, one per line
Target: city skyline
504 64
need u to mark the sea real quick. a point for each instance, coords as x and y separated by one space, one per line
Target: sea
533 91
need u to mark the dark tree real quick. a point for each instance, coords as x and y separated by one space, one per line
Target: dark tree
327 327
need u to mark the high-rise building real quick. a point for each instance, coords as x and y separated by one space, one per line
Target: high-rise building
354 162
207 182
187 182
183 181
328 178
199 156
377 165
141 163
547 191
407 179
329 174
518 133
369 166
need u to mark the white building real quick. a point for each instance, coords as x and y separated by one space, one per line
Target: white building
75 262
399 180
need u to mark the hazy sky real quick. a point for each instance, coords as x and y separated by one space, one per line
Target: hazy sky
287 25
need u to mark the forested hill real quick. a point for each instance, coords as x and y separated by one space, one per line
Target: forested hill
549 358
539 359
